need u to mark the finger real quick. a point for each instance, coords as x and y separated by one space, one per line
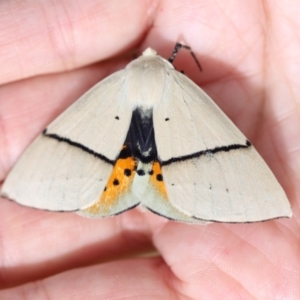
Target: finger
239 260
127 279
65 35
36 244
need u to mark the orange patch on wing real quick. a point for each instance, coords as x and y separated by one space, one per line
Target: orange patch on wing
118 184
156 179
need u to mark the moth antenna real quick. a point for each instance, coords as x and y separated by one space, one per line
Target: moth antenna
179 46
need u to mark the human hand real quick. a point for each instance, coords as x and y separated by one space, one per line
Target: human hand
249 54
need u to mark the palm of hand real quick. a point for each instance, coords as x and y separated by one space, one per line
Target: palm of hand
247 70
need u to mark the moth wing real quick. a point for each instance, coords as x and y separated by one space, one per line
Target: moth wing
187 121
234 186
99 119
67 168
154 196
117 196
227 186
154 202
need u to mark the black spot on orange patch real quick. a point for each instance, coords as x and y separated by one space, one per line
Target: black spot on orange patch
159 177
118 184
156 179
127 172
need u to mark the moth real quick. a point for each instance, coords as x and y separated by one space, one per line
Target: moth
147 135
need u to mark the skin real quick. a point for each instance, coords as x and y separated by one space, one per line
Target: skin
53 51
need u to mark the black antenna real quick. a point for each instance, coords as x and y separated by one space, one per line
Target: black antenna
177 47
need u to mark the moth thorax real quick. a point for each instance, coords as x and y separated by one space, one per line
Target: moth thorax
144 112
146 80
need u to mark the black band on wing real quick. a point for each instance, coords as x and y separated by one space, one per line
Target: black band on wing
77 145
204 152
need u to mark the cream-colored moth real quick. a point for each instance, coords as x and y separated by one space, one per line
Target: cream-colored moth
147 135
